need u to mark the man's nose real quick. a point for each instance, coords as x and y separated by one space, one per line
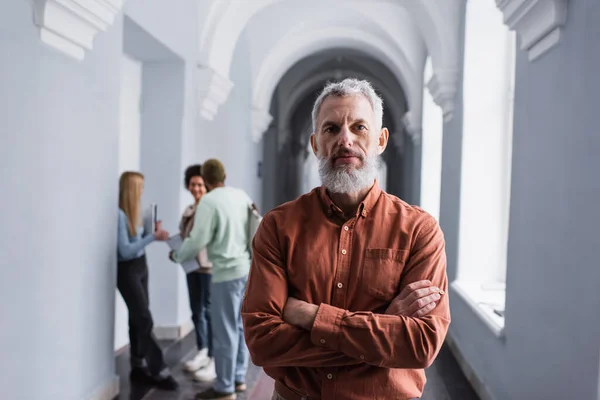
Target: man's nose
346 137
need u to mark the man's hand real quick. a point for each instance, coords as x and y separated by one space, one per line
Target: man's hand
415 300
300 313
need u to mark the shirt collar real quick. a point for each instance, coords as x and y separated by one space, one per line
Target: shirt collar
363 209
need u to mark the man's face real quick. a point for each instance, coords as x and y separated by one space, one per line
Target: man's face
347 142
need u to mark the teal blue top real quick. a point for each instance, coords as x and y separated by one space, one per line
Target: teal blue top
220 225
131 247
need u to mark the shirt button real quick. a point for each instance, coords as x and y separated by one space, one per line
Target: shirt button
362 357
346 227
339 285
329 376
344 251
322 341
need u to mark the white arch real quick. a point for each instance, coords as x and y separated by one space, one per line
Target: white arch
437 24
228 18
293 47
225 25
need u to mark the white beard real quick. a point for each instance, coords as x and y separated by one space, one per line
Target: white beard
348 179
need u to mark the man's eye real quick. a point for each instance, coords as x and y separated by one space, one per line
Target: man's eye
361 127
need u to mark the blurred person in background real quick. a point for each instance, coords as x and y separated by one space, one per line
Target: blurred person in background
221 225
147 362
198 282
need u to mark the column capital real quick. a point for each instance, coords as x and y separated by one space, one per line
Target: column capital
70 26
413 128
261 119
212 90
398 140
539 23
443 86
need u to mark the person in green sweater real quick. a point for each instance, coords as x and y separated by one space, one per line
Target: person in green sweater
221 226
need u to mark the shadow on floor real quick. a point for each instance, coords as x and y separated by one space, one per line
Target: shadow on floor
445 380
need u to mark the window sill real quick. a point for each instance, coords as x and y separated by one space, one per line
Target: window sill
483 301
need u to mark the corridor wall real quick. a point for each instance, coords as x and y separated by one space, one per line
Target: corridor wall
549 346
58 146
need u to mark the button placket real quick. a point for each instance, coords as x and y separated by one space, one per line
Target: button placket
344 263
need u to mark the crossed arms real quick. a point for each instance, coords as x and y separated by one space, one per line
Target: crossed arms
282 332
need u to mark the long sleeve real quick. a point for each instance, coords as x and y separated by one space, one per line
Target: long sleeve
393 341
126 248
201 234
273 342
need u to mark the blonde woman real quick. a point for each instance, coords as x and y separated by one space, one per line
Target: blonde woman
147 362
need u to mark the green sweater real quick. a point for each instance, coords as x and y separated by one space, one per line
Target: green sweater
220 225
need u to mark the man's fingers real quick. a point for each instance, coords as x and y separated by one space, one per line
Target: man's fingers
420 293
423 311
423 301
413 286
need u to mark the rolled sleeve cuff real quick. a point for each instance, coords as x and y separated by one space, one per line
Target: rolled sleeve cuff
326 329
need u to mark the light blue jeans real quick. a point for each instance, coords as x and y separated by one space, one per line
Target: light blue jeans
229 347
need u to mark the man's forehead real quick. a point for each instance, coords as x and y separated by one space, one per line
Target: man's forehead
352 107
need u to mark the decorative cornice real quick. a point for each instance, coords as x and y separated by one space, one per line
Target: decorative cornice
443 87
260 123
538 22
212 90
412 127
71 25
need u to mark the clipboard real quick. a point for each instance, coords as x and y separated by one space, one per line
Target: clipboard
175 242
150 218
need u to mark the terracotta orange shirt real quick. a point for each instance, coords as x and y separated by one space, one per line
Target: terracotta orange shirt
352 268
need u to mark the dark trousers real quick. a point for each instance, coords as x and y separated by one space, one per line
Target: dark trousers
132 282
199 293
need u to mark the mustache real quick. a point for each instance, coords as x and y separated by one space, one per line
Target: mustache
347 153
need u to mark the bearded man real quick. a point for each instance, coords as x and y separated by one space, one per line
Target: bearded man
345 298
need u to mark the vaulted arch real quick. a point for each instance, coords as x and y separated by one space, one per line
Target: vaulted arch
293 48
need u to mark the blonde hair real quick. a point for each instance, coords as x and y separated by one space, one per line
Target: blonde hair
130 194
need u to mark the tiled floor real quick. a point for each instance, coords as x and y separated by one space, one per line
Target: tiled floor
445 380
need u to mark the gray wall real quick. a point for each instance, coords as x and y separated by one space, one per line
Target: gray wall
59 152
552 325
59 157
163 35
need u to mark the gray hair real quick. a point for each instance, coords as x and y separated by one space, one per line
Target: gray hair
350 87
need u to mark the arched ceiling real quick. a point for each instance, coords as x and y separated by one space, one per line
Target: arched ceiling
399 33
309 75
298 88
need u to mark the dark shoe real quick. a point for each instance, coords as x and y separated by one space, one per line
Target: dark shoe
240 387
140 375
168 383
212 394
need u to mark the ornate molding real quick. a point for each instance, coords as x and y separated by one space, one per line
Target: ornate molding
538 22
71 25
212 90
413 128
443 86
260 123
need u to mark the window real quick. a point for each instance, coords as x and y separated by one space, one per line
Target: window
488 90
431 150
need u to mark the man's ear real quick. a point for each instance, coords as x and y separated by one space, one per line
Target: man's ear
313 144
382 141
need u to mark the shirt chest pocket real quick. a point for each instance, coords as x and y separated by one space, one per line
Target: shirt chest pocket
382 270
